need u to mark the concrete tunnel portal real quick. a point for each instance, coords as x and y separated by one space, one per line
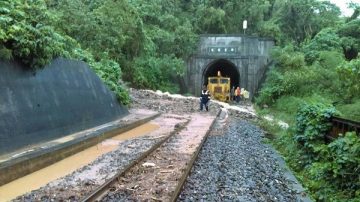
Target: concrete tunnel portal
245 59
227 69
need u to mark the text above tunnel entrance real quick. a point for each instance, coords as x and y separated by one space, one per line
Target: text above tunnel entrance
227 69
244 59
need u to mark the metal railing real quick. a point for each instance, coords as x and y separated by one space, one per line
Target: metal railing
341 125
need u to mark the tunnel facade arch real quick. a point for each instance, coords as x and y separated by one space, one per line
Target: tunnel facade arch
225 67
244 59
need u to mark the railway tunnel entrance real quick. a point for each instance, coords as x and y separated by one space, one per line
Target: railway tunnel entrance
244 59
227 69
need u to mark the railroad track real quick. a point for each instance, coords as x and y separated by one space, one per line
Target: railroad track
97 194
160 173
102 162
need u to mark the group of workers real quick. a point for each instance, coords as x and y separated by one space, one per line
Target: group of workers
235 95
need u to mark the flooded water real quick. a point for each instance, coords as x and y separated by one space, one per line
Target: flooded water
66 166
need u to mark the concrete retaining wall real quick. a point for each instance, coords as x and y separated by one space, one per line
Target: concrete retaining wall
63 98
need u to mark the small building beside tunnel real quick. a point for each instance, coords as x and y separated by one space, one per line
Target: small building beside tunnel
244 59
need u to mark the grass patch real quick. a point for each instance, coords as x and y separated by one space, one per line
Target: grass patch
350 111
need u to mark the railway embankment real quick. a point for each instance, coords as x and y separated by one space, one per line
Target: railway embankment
233 163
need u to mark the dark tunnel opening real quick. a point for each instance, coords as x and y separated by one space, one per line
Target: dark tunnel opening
226 68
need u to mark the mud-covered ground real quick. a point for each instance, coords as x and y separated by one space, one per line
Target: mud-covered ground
234 164
166 103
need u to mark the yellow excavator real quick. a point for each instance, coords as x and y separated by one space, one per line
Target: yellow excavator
219 87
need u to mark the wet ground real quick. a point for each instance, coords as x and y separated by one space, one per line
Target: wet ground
234 165
81 173
157 177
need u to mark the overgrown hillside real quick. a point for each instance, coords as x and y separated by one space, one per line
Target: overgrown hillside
325 68
146 43
316 75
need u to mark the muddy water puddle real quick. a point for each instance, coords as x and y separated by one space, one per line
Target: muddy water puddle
66 166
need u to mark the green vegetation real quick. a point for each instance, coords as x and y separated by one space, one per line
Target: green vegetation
324 68
27 35
148 39
145 44
316 76
329 170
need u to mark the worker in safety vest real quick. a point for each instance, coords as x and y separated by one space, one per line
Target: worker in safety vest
204 98
237 94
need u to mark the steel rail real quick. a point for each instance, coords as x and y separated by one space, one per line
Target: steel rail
186 173
98 193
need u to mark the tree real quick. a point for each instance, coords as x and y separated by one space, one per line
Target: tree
350 40
300 19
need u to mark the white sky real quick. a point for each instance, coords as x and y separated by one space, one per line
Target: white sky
342 4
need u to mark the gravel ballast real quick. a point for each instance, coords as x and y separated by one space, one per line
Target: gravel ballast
233 165
237 166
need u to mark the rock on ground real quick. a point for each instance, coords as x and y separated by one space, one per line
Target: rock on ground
236 166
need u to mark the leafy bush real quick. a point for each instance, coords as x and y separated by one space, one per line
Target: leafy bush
332 168
322 81
344 158
312 123
330 59
157 73
349 73
286 77
338 170
294 78
300 82
325 40
272 89
25 36
303 81
287 58
329 170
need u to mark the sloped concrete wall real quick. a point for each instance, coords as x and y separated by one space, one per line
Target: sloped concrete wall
63 98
